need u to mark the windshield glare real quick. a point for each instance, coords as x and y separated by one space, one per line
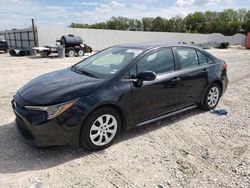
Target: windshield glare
108 62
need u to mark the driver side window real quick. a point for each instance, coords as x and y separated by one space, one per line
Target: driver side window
160 61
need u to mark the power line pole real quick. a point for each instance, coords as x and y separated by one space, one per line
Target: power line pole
34 31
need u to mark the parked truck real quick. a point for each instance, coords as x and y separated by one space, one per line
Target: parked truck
3 44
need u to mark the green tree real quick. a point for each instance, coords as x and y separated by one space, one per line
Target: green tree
211 19
227 22
138 25
147 24
246 22
176 24
118 23
101 25
195 23
157 24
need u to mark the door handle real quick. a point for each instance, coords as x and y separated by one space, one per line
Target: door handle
204 71
176 79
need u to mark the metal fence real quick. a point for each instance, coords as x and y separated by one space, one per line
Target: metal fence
99 39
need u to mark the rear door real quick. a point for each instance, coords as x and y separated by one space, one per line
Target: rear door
193 76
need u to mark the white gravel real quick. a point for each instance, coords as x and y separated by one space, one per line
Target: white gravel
193 149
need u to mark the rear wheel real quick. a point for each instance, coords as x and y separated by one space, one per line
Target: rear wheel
100 129
80 53
89 49
212 97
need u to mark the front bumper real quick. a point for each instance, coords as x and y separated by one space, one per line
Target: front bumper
41 135
62 130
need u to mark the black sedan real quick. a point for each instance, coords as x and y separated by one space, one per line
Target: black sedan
116 89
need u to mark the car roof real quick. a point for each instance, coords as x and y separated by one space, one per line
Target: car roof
151 45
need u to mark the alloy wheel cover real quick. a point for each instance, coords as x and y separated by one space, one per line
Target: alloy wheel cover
103 130
213 96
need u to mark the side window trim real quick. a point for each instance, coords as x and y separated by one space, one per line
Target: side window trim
196 51
207 58
176 59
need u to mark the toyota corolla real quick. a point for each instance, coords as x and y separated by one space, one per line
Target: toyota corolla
116 89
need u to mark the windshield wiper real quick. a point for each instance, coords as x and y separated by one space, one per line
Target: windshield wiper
88 73
84 72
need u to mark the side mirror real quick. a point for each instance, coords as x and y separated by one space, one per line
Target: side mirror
146 76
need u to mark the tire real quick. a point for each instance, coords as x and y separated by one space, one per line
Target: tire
80 53
12 53
212 97
102 136
22 53
45 53
89 49
71 53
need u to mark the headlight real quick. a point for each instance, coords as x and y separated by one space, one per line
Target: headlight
55 110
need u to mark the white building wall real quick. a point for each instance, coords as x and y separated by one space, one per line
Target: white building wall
100 39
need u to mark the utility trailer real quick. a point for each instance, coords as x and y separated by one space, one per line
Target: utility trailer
73 46
20 42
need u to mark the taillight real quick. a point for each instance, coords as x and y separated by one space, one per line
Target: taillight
225 66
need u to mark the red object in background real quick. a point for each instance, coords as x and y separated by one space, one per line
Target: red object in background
248 41
225 66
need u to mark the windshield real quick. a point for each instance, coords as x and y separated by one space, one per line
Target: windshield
107 62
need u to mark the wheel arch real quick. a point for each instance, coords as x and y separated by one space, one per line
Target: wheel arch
118 109
219 82
115 107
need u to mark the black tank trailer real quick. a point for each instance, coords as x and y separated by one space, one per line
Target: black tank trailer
73 46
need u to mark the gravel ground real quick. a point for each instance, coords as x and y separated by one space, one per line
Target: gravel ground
192 149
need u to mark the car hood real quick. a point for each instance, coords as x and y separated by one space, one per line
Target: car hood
57 87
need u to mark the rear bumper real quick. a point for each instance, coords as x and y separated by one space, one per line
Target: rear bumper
224 84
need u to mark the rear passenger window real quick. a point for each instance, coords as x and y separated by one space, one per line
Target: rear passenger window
210 60
187 57
202 57
160 61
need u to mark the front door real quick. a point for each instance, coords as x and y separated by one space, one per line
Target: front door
162 95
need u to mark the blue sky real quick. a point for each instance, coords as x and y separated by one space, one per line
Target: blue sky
17 13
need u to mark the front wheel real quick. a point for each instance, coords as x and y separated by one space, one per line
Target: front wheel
212 97
71 53
100 129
